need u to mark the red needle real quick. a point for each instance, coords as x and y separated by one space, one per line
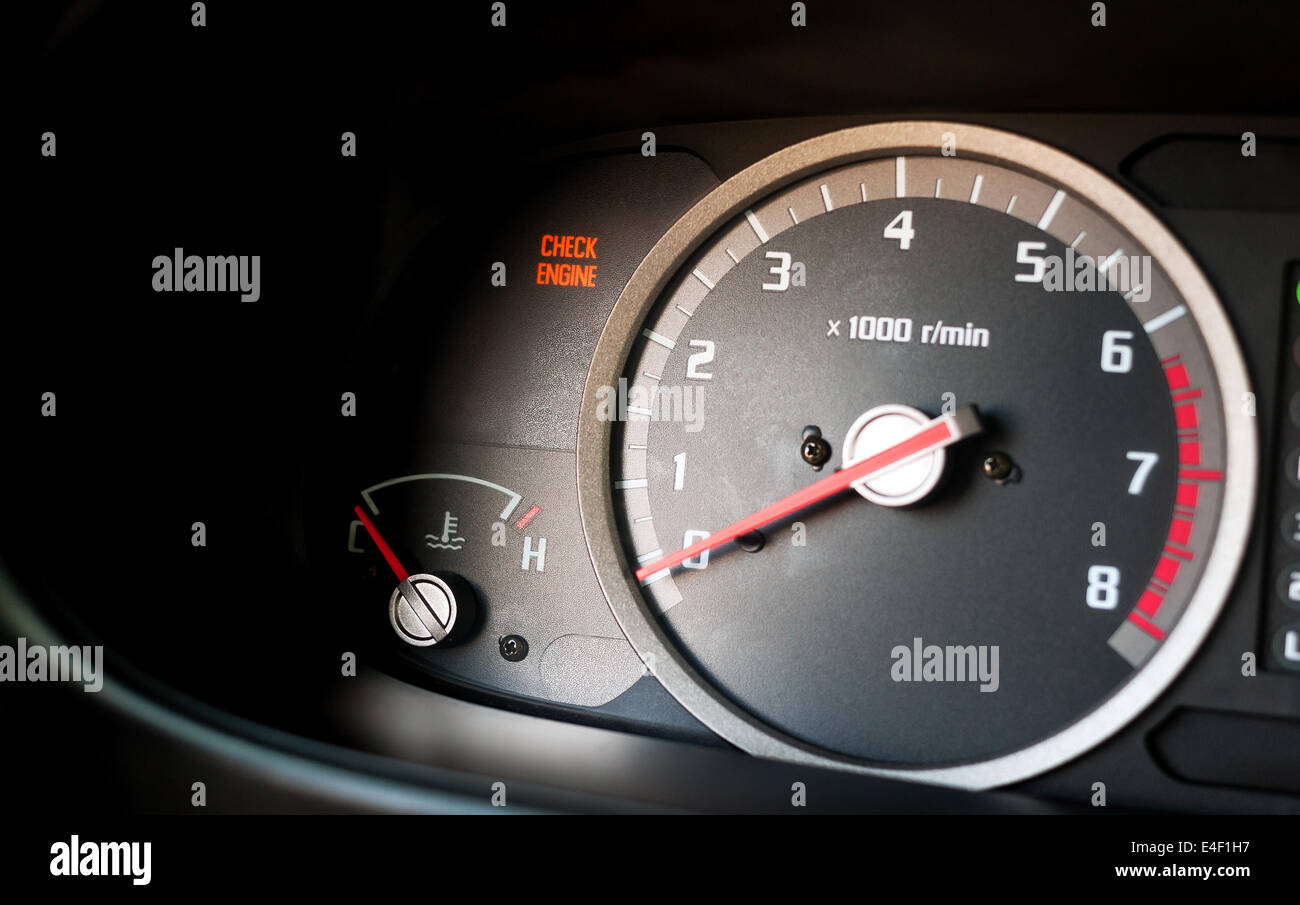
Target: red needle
942 431
375 536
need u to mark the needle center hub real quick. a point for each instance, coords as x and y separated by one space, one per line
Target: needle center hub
423 610
878 429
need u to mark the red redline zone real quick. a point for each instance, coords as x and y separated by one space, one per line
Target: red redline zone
1175 553
1147 626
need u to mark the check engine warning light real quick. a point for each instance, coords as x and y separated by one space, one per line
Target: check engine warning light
563 250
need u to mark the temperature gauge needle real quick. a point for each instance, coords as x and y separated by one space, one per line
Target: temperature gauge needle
382 544
424 608
942 431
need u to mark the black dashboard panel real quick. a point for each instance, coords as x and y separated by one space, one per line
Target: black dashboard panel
432 225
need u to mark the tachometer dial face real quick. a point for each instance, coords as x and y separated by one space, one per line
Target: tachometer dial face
918 447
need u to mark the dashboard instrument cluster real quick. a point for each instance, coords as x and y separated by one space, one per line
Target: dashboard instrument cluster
925 445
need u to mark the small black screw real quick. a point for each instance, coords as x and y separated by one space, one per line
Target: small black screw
813 447
998 466
513 647
751 541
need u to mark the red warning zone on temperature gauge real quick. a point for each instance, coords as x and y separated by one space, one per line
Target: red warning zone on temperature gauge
563 251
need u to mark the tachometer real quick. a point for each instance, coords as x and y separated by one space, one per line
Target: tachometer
917 448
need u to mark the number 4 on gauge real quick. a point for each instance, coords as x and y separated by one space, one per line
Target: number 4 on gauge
900 228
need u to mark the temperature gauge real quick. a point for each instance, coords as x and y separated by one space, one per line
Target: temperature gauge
471 569
439 605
